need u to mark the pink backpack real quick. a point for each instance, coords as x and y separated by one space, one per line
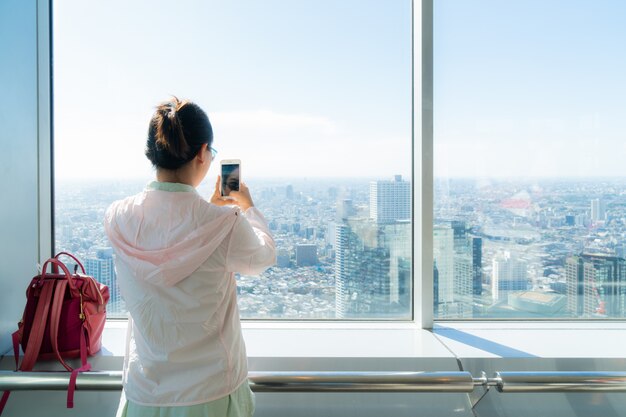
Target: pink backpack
63 318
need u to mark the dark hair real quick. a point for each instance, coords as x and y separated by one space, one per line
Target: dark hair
177 131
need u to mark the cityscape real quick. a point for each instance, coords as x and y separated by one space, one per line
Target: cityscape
503 249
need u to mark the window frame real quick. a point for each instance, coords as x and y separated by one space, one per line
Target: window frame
422 175
422 160
45 130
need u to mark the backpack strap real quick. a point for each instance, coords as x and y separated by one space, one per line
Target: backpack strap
85 366
39 325
35 337
3 400
16 336
16 353
55 317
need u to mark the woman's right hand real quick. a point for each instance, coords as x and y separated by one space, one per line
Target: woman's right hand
242 197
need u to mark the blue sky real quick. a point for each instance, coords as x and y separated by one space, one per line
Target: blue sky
530 88
323 87
293 88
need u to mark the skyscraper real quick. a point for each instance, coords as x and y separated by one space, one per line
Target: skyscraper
443 253
306 254
459 230
345 209
477 265
289 192
373 255
458 257
596 285
397 237
390 200
342 235
103 270
362 284
463 269
598 212
463 284
508 274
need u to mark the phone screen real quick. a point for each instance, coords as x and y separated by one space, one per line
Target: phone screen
230 178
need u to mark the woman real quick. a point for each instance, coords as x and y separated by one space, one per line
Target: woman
176 255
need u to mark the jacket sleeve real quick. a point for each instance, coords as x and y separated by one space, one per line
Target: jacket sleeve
251 249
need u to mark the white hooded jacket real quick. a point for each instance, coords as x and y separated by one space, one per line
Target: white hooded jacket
176 255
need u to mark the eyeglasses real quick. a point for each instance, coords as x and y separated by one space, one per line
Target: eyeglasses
213 153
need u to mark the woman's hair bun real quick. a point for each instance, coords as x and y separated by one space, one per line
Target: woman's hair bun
169 133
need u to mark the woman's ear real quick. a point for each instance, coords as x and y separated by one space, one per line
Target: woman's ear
202 154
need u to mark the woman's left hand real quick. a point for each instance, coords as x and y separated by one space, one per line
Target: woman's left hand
217 197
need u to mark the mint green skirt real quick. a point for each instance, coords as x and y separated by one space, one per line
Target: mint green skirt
238 404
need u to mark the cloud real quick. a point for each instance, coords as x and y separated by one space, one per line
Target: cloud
269 143
273 144
267 121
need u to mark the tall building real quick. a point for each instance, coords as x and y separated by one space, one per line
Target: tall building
342 236
373 255
397 237
463 285
459 231
574 285
508 274
361 271
459 266
463 269
346 209
289 192
598 211
596 285
443 253
477 265
306 254
102 268
369 280
390 200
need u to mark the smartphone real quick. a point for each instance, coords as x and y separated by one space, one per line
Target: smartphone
231 176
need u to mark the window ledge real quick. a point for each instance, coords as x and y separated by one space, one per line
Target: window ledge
308 346
407 340
603 340
405 347
318 339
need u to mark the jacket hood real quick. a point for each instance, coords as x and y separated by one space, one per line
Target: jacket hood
162 237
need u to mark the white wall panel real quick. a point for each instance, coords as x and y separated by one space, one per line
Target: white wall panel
19 150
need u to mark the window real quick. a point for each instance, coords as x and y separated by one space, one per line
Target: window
315 99
529 175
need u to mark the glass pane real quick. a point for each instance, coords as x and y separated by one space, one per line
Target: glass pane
529 146
313 96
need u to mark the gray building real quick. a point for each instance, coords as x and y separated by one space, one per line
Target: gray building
390 200
306 254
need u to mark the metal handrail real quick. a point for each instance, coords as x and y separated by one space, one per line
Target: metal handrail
547 381
361 381
58 381
505 382
264 381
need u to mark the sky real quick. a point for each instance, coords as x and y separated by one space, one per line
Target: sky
318 88
322 88
531 88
